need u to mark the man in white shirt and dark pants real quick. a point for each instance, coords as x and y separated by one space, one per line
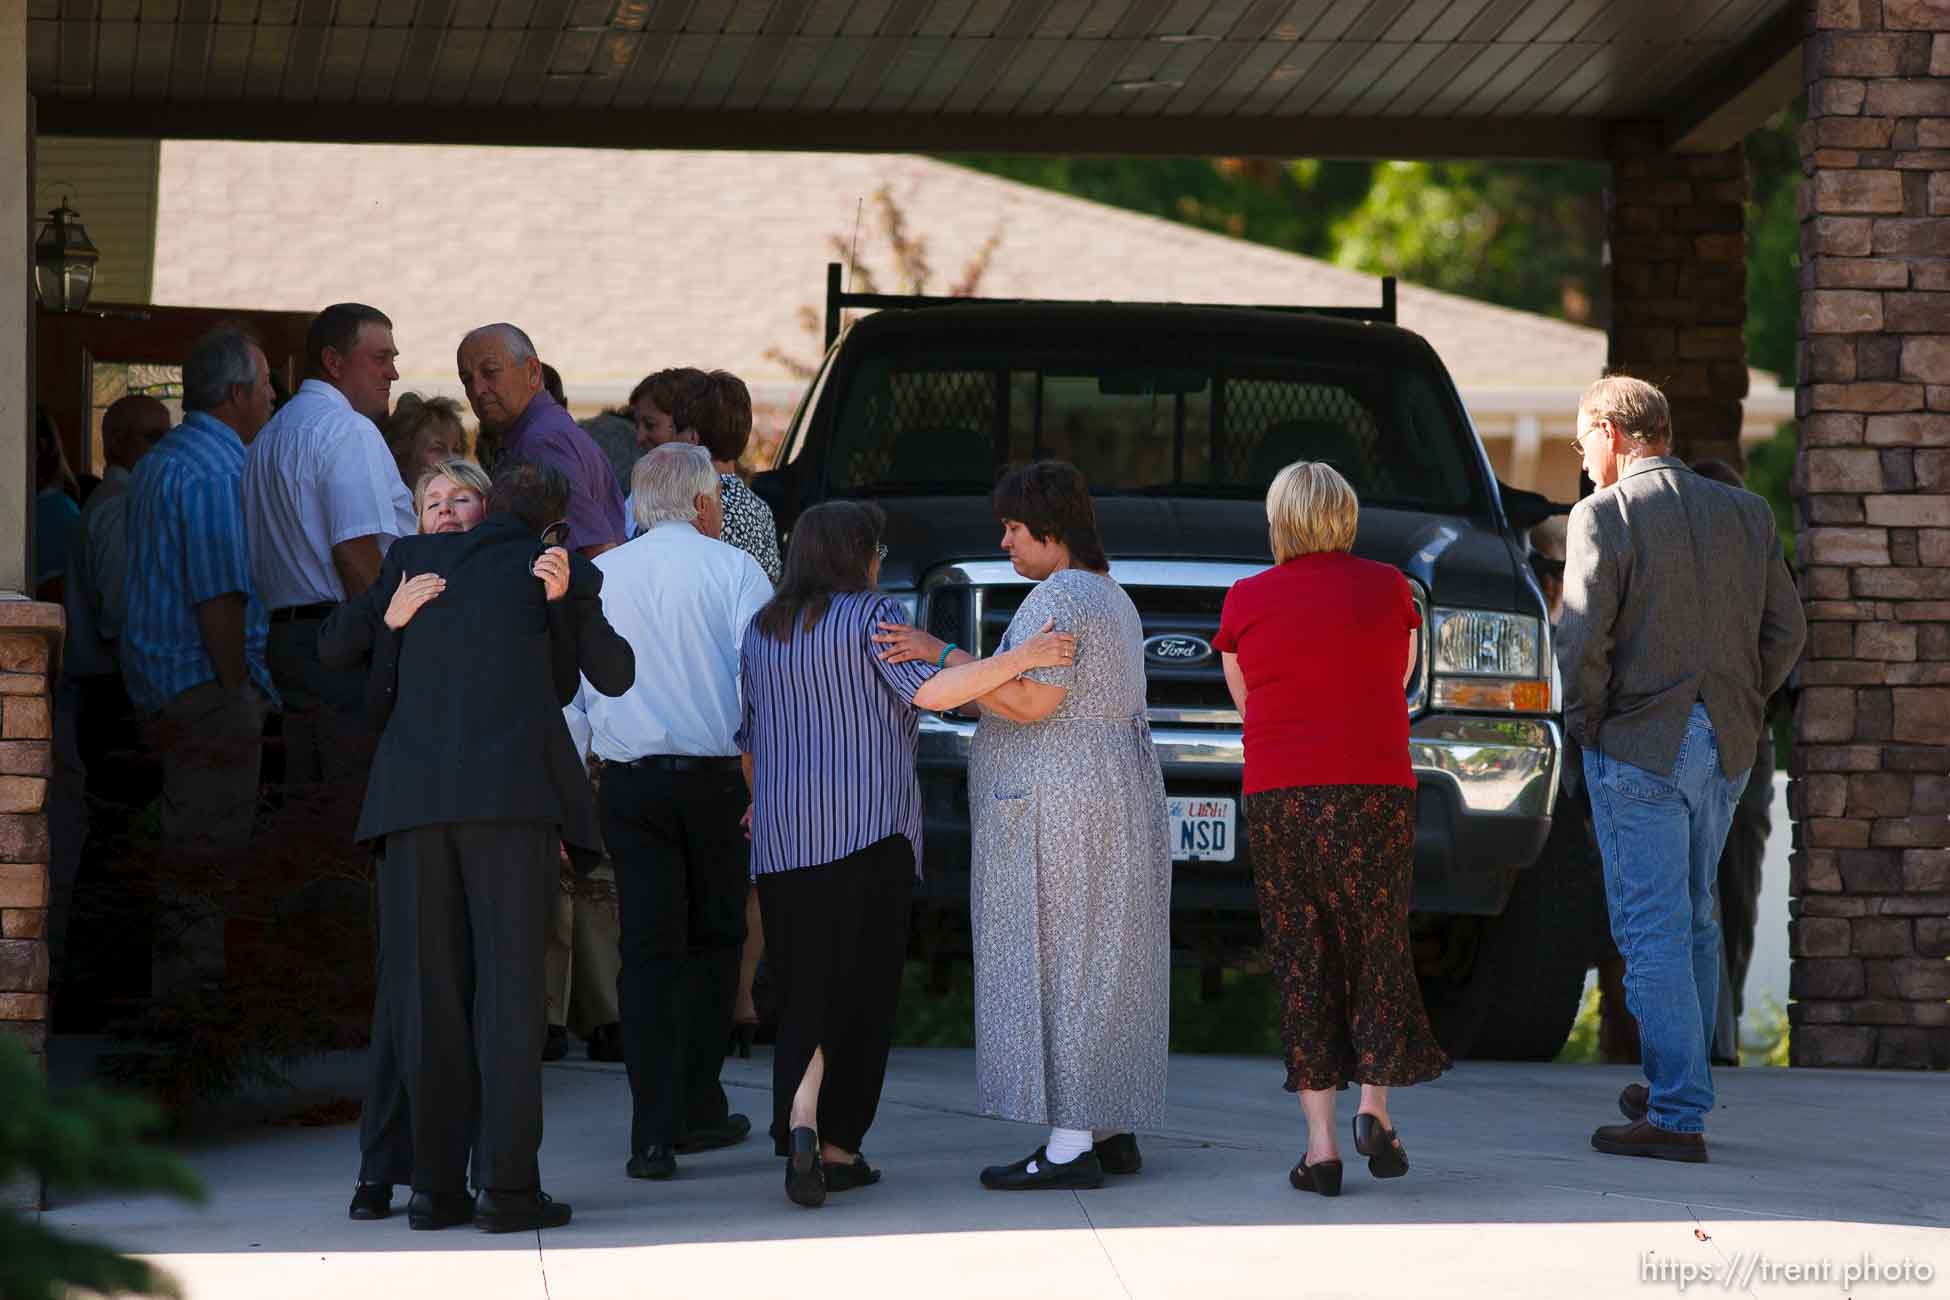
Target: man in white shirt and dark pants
672 797
323 501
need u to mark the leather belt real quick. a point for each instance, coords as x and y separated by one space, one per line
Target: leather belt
293 613
685 763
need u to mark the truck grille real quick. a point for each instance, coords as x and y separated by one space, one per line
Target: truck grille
982 597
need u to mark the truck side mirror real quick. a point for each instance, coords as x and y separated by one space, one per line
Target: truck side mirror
775 488
1525 509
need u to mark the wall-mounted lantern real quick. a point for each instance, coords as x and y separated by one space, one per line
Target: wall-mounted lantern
64 261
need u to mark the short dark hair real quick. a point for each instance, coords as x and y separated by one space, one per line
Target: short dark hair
532 492
218 362
1051 499
715 405
831 551
337 328
552 384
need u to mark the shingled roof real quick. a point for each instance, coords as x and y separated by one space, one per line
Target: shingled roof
618 263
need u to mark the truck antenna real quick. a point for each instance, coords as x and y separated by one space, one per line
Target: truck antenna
853 252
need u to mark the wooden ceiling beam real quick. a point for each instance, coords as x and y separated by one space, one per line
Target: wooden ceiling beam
1376 137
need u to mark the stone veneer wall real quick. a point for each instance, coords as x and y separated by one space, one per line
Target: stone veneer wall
1679 284
30 643
1871 787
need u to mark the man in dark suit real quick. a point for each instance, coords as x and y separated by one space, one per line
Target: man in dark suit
474 785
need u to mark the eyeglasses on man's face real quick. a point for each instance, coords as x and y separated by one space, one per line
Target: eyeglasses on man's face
1578 443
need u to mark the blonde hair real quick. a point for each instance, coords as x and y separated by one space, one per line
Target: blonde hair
1637 408
464 472
413 414
1310 508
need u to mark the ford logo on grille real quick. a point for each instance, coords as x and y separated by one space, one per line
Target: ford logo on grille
1177 650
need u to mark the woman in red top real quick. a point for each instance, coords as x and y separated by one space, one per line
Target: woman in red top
1316 652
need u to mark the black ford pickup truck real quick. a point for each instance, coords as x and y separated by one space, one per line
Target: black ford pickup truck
1179 416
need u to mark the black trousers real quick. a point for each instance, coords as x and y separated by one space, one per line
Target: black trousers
466 907
682 872
836 938
385 1120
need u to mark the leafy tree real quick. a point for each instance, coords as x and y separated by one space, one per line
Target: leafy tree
85 1138
1520 235
1774 241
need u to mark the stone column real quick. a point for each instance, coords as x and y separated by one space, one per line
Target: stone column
1871 771
1678 248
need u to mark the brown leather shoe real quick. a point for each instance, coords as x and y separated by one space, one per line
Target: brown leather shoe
1634 1101
1641 1138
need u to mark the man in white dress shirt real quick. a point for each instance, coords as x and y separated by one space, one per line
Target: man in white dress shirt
672 797
323 500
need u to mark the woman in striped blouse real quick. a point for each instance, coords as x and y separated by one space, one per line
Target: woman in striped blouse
829 736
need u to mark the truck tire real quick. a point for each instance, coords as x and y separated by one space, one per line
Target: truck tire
1534 956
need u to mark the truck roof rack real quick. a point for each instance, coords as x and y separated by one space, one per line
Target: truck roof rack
838 300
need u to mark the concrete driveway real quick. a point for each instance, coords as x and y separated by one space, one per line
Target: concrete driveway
1836 1171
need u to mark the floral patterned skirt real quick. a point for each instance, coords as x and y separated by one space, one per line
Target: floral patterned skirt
1332 867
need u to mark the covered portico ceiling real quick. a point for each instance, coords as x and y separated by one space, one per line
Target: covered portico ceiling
1372 78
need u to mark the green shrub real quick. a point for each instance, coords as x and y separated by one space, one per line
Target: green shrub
84 1138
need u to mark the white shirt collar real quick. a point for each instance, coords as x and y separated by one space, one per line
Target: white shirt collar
326 392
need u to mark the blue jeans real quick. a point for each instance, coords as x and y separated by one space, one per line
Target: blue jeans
1661 837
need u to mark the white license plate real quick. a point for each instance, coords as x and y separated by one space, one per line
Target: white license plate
1202 830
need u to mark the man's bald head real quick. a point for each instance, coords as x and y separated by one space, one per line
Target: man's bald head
499 372
130 427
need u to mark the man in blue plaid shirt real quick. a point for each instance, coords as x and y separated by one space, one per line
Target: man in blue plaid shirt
192 645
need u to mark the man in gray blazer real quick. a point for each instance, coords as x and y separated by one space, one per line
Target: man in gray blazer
1679 621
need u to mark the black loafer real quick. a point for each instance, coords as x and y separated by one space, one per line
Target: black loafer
735 1129
844 1178
526 1211
1323 1178
1635 1101
556 1045
606 1042
658 1163
1382 1147
431 1211
805 1173
371 1201
1118 1154
1080 1174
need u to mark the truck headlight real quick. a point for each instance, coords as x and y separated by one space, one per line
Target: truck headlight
1488 661
1487 643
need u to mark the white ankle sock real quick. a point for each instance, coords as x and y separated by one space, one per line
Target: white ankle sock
1066 1144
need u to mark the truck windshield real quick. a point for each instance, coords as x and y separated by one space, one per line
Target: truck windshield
1205 420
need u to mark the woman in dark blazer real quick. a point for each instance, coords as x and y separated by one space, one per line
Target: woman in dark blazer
1316 652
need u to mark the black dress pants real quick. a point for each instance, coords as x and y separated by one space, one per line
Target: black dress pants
836 938
385 1120
682 873
465 908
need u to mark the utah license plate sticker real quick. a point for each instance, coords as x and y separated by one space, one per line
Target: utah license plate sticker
1202 830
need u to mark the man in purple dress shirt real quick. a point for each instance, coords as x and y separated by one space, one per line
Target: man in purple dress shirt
502 377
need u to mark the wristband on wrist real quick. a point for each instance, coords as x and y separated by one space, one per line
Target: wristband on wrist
946 650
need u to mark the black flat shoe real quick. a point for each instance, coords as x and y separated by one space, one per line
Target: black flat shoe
1080 1174
1118 1154
844 1178
519 1211
431 1211
1324 1178
735 1129
805 1173
1382 1146
657 1164
606 1042
371 1201
556 1045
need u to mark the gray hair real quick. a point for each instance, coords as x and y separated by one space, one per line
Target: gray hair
667 482
520 347
221 360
